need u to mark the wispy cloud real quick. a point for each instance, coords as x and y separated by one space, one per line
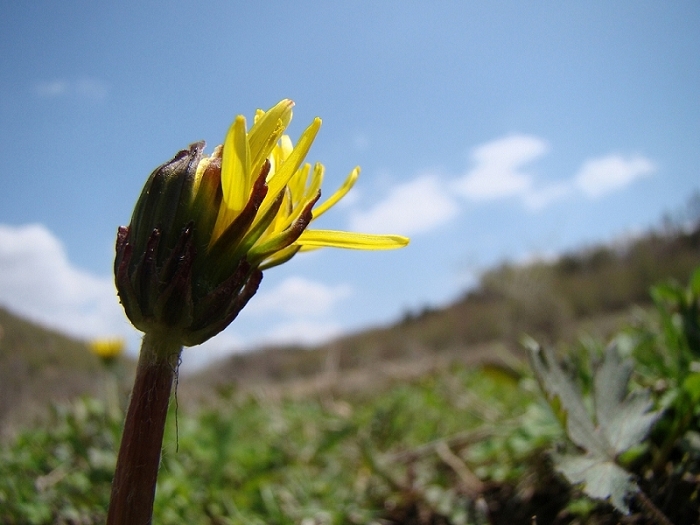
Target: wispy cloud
598 177
219 347
498 170
38 281
501 169
414 207
297 310
298 297
85 88
303 331
225 344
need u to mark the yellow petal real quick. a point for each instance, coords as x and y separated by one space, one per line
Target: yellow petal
350 240
283 173
285 148
201 168
342 191
235 166
266 123
266 131
316 181
235 176
266 150
282 219
297 184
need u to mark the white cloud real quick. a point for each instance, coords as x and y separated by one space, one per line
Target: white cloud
85 87
414 207
38 281
223 345
497 171
296 311
298 297
303 332
598 177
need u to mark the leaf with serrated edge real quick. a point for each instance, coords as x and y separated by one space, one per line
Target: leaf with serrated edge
622 421
556 384
599 479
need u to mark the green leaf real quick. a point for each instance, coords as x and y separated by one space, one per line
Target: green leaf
599 479
624 419
669 292
621 422
691 385
563 394
694 285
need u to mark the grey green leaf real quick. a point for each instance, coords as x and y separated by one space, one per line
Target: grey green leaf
622 420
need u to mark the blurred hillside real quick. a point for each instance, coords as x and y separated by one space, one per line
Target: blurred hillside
39 367
591 291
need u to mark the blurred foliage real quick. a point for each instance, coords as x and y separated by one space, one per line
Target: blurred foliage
459 445
617 425
550 300
61 472
590 289
39 366
649 436
423 448
440 425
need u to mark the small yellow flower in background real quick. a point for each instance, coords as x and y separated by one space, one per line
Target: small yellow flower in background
107 349
204 228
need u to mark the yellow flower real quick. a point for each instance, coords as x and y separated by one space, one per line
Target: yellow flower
204 227
107 349
293 187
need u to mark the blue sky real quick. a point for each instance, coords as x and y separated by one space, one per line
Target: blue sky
485 131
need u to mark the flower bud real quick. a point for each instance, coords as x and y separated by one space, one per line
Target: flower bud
204 228
159 251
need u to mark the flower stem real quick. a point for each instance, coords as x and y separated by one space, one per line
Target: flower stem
134 484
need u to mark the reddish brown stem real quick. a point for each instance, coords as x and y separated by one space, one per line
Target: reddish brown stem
134 484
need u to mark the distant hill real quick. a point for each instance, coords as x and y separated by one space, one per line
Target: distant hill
593 290
39 366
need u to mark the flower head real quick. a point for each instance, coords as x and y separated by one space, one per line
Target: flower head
205 227
107 349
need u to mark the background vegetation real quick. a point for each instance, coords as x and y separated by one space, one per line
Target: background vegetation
437 419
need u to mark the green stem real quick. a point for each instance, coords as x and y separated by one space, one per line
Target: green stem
681 423
134 484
